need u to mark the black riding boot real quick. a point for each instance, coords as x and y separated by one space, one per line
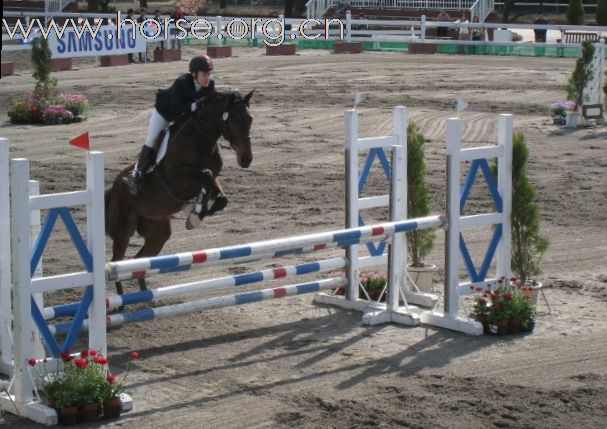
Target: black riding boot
133 179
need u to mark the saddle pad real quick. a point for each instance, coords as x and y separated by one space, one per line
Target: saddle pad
162 148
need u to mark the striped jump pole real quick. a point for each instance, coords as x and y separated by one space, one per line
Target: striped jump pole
215 302
115 301
345 237
247 259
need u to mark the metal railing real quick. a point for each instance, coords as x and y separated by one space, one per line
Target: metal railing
482 9
316 8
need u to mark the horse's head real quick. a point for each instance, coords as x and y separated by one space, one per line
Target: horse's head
231 109
237 125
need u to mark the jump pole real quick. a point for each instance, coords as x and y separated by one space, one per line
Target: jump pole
6 346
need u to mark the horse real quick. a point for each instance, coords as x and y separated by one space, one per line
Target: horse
189 170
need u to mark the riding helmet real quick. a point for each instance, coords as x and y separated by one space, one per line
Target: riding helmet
201 63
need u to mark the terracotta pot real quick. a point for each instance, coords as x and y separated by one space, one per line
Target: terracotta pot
112 408
89 412
68 415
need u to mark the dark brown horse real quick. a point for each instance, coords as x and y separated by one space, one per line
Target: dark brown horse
187 172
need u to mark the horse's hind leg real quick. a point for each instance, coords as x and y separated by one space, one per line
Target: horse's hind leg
155 233
120 228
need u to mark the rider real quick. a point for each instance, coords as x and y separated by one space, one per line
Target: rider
181 99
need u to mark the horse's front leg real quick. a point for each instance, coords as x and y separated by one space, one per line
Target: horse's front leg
220 201
200 208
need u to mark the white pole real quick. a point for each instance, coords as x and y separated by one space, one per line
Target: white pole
348 26
6 346
423 27
38 348
96 246
218 42
504 185
351 151
397 265
453 217
20 237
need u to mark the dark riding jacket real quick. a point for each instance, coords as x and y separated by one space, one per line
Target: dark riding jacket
177 100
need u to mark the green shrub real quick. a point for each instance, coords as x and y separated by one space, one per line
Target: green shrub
575 12
421 241
528 245
41 61
581 74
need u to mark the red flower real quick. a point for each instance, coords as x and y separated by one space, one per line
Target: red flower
84 354
31 362
507 296
100 360
479 289
134 355
66 356
111 378
81 363
92 352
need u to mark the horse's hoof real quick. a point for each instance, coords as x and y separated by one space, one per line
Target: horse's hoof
220 203
192 221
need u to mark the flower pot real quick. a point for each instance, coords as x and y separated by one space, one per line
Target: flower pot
485 322
499 327
423 276
528 325
68 415
558 120
572 119
535 291
514 326
112 408
89 412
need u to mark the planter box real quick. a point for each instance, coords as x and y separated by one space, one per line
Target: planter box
558 120
572 120
219 52
164 55
347 48
281 50
422 48
8 69
60 64
114 60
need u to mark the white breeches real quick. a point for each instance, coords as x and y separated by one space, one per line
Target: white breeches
157 124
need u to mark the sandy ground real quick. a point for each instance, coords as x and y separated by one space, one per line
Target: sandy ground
294 364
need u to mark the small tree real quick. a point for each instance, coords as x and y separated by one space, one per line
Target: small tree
601 12
41 61
575 12
419 242
581 74
528 246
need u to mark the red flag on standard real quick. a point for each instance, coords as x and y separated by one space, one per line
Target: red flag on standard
81 141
